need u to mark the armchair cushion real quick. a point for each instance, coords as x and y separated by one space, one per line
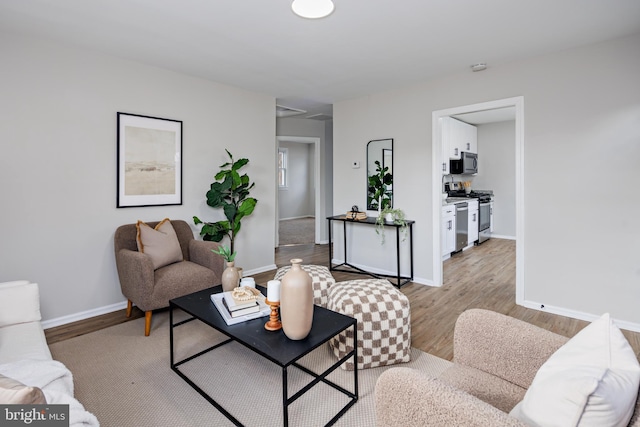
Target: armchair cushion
497 392
179 279
409 398
592 380
160 243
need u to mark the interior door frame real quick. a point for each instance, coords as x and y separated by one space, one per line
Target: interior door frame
437 157
316 176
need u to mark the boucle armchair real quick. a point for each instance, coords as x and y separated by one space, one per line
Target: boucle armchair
496 358
150 288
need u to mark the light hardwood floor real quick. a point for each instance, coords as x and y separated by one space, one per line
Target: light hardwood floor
482 277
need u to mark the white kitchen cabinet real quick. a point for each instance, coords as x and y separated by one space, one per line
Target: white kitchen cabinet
461 137
457 136
448 234
469 138
474 206
446 141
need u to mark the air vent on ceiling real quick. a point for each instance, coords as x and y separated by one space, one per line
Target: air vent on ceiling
282 111
320 116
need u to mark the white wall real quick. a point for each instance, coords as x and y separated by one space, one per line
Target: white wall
581 109
297 199
292 126
58 165
497 172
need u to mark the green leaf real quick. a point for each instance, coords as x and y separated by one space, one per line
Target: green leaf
236 179
240 163
196 220
247 206
230 212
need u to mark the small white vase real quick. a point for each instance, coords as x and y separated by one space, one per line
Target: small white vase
388 217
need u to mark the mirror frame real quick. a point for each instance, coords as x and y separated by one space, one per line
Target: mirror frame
380 150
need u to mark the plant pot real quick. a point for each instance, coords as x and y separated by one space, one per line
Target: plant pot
230 278
296 302
388 217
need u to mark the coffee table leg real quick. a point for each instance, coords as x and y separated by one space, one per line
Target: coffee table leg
171 331
285 397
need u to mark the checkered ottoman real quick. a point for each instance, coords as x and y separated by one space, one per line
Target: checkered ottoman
321 280
384 322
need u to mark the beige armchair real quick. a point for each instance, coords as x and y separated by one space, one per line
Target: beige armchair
496 358
151 289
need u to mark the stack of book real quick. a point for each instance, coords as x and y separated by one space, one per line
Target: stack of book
239 308
356 216
233 312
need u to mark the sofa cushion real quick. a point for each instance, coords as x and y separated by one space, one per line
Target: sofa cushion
592 380
23 341
19 302
13 392
160 243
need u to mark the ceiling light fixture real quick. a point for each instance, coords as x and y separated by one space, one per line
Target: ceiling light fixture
312 9
479 67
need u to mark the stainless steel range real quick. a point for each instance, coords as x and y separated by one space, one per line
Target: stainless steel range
485 198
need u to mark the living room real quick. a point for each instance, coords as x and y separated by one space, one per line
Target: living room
59 166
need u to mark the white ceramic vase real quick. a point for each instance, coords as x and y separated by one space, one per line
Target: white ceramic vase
296 302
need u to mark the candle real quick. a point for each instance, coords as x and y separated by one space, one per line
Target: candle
273 290
248 282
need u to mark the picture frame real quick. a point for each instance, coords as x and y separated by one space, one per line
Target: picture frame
149 157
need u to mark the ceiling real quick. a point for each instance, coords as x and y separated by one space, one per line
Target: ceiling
364 47
488 116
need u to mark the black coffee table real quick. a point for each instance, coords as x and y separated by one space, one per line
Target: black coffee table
274 346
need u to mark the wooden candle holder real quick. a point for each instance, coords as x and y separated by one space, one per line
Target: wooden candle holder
274 322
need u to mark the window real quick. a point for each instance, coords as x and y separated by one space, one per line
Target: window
282 167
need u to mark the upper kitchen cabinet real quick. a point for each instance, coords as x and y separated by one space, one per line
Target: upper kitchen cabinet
446 142
459 137
468 138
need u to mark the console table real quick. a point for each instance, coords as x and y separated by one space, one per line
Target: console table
371 221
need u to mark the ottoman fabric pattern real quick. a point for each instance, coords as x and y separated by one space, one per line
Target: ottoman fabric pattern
321 281
384 322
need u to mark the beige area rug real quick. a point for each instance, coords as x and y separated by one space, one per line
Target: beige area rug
299 231
124 378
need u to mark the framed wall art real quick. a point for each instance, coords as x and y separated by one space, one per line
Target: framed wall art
149 161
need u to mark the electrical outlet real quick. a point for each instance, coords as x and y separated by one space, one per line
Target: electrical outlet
355 165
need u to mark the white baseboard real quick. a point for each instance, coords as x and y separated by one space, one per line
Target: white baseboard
296 217
574 314
501 236
379 271
59 321
259 270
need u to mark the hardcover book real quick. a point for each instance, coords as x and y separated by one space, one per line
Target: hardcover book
216 299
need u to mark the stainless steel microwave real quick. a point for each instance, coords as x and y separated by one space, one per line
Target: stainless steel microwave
466 165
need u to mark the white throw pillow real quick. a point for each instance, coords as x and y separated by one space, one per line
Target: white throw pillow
592 380
19 302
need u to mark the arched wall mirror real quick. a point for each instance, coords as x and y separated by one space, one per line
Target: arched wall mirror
380 174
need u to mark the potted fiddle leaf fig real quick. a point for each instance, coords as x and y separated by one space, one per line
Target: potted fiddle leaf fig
231 193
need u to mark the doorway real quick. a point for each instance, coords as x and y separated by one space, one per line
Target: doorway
438 158
313 187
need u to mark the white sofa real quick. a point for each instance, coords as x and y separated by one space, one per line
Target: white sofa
28 373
